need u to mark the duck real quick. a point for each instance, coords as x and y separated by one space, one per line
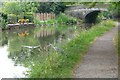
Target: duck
23 34
26 33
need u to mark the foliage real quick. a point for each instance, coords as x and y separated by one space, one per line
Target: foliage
29 16
117 42
61 65
43 7
76 48
4 39
12 8
115 9
47 7
12 18
18 8
69 3
4 16
53 64
3 20
2 24
37 21
31 6
62 18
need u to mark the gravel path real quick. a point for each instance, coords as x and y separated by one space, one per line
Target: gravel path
101 61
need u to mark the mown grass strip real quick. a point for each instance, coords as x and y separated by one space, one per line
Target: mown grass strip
76 48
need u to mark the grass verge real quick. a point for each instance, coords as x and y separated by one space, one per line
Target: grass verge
58 65
116 40
117 45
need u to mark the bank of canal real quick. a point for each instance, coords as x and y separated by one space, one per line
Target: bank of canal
17 50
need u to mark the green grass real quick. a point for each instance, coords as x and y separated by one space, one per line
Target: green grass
58 65
60 19
116 42
77 47
63 18
117 45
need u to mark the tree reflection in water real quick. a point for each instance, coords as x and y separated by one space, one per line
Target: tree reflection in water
26 50
32 50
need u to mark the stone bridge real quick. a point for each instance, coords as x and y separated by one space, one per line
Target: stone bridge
87 14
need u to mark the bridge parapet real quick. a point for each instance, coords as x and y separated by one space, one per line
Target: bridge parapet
82 13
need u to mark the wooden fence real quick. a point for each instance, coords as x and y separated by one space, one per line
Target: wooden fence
44 16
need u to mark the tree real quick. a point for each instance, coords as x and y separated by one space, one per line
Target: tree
115 9
12 8
17 10
55 7
19 7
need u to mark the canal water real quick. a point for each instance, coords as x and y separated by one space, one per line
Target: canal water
21 48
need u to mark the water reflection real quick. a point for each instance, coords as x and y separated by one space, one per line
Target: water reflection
7 67
29 46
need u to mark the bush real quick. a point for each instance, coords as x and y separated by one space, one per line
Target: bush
2 24
4 16
62 18
37 21
29 16
12 18
48 7
20 17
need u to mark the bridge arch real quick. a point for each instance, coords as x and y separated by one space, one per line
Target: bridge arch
87 14
91 16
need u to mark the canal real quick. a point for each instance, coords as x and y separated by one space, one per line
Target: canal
21 49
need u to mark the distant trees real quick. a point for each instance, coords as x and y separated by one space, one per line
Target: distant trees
23 7
55 7
115 9
18 10
19 7
11 8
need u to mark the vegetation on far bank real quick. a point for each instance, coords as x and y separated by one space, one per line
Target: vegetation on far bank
60 19
11 12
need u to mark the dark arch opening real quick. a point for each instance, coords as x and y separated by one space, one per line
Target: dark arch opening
92 16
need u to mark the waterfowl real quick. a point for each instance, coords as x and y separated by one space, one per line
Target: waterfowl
23 34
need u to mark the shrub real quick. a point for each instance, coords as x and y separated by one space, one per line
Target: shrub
2 24
20 17
62 18
37 21
4 16
29 16
48 7
12 18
